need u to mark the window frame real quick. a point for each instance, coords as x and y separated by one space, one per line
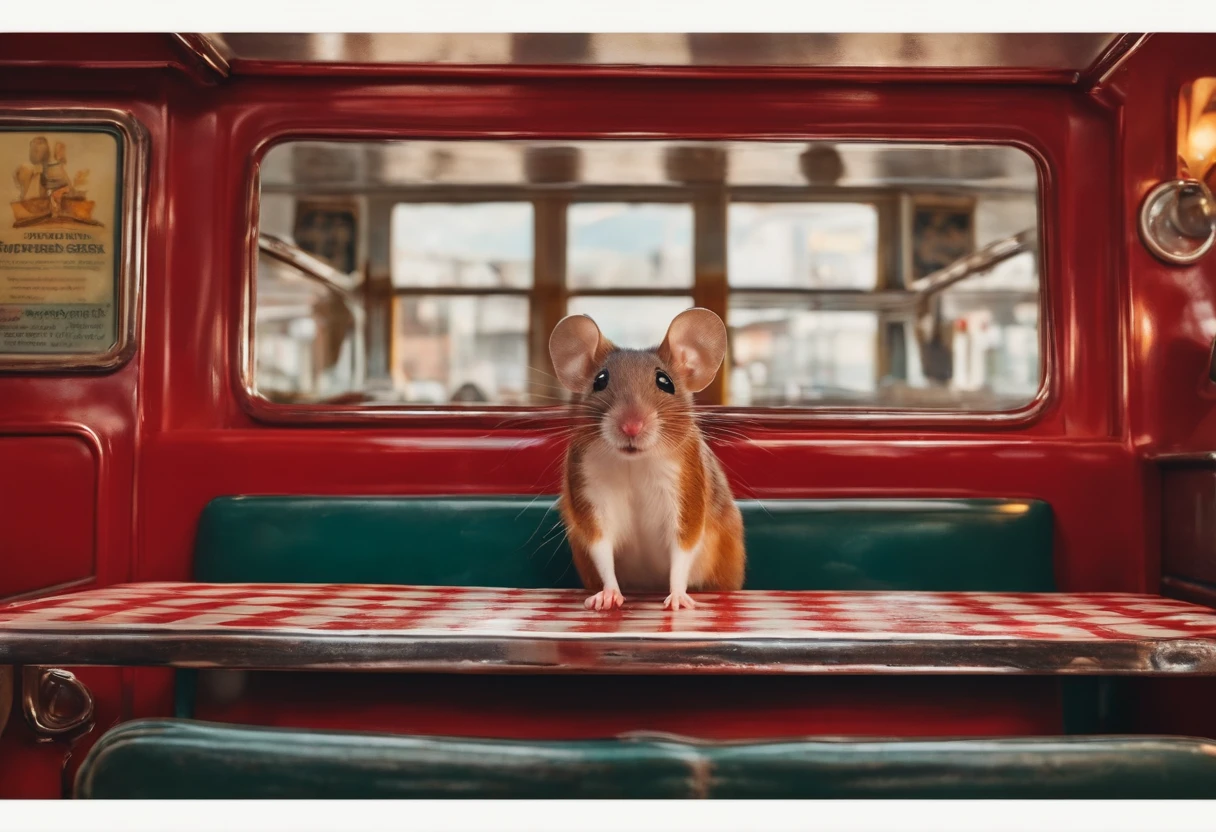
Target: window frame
548 298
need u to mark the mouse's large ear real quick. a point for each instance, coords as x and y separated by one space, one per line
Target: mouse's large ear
577 349
694 347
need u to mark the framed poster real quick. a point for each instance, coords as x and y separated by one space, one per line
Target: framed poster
943 230
329 229
70 238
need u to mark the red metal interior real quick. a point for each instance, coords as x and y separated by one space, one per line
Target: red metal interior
586 707
167 431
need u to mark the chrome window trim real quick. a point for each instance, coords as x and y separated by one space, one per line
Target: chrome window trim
261 409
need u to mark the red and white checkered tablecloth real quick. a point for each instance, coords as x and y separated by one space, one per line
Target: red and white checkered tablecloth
180 609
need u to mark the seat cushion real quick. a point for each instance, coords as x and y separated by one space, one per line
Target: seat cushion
159 759
938 544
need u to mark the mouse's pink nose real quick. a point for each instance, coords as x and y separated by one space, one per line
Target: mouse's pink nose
632 427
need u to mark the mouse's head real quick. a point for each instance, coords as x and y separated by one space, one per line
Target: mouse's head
638 400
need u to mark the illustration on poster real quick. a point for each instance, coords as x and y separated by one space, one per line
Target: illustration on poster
47 193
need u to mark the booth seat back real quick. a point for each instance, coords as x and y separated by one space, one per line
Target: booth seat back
873 544
158 759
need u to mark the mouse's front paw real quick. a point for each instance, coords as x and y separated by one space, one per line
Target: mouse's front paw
679 600
606 599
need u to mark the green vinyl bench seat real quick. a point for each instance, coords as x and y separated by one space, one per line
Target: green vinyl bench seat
166 759
996 545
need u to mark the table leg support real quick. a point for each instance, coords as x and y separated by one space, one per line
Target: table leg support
57 705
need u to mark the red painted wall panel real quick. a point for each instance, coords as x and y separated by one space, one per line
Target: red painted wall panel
48 512
99 411
591 707
1171 314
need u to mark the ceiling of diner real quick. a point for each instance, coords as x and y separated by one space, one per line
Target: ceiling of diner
1043 52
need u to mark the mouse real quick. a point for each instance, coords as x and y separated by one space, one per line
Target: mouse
645 503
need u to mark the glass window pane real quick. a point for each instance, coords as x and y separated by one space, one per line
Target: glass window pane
995 343
803 245
805 304
466 350
614 245
996 219
478 245
784 354
638 323
304 346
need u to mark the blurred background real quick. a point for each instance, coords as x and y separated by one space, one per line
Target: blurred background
859 275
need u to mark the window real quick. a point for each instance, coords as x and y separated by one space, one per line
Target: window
631 321
784 349
799 245
475 246
783 352
460 276
306 335
460 348
618 246
437 269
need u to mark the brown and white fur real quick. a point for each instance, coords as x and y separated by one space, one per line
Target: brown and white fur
644 501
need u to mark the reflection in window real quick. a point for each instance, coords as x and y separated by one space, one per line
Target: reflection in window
799 245
475 246
633 322
463 349
305 337
626 246
998 218
995 340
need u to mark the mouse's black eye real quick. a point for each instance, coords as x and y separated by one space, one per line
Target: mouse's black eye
663 382
601 381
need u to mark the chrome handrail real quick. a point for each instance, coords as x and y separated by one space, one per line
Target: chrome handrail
977 262
339 283
287 252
